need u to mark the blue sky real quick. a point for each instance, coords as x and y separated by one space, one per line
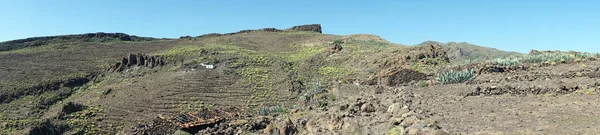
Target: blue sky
513 25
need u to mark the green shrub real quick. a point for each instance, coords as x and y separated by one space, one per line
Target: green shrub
560 57
450 77
264 111
506 62
471 61
547 57
338 42
423 84
396 131
316 89
370 71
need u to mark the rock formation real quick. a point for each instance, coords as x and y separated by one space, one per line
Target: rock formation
335 49
396 77
309 27
429 51
141 60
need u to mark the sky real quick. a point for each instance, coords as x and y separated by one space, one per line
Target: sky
511 25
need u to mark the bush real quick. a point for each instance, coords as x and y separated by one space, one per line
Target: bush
471 61
450 77
558 57
338 42
423 84
396 131
547 57
264 111
316 89
506 62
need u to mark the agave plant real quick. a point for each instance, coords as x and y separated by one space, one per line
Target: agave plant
532 58
264 111
506 62
547 57
450 77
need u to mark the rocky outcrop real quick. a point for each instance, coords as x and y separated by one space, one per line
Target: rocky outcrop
140 60
428 51
395 78
335 49
309 27
490 68
403 58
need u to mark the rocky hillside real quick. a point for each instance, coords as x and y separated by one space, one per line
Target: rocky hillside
88 37
290 81
463 51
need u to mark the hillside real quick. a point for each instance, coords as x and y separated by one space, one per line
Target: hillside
289 81
463 51
88 37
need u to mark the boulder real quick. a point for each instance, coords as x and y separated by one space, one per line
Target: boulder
335 49
369 108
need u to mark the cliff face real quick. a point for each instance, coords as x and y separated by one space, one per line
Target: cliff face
309 27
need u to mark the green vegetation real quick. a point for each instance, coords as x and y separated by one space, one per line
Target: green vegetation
337 42
86 120
192 106
310 94
396 131
304 53
506 62
425 68
329 73
423 84
588 91
264 111
471 61
260 82
451 77
553 58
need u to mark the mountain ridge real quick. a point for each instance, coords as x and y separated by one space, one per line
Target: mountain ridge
464 51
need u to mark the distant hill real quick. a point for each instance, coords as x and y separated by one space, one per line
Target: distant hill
88 37
460 52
